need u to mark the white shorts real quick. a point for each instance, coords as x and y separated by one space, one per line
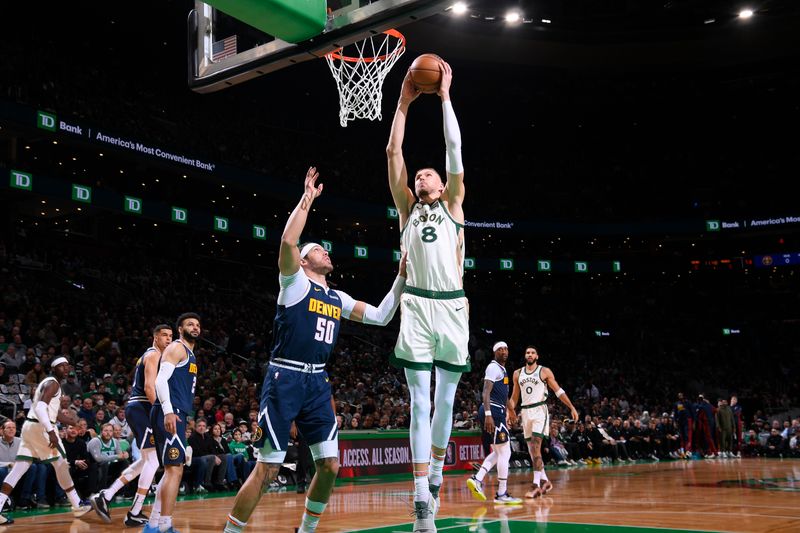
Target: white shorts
433 332
536 422
36 444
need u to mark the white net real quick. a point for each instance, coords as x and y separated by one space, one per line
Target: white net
359 75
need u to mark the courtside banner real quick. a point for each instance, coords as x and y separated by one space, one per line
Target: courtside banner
392 455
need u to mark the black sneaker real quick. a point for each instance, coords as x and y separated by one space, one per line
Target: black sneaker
133 520
100 506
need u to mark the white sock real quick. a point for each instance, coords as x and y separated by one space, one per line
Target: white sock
503 456
164 523
311 517
3 500
115 487
502 486
234 525
487 465
537 477
422 492
544 475
435 469
73 498
155 512
138 501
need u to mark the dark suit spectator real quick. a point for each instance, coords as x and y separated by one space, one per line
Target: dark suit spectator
204 462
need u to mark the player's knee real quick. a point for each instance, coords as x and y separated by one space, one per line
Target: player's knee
329 466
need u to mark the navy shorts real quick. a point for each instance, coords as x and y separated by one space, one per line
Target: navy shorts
291 395
500 434
137 413
171 449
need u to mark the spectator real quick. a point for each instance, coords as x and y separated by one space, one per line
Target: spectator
223 452
9 444
240 448
119 421
80 462
108 455
12 360
204 461
774 447
87 411
35 375
725 425
71 387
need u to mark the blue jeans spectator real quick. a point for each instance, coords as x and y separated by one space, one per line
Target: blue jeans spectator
235 463
34 483
4 470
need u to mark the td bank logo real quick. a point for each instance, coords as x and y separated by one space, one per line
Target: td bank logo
45 121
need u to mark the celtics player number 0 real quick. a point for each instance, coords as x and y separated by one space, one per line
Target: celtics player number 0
325 330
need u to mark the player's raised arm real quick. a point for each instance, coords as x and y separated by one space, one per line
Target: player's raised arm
454 192
398 175
549 378
289 255
359 311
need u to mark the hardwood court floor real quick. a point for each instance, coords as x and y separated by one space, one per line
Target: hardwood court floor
706 495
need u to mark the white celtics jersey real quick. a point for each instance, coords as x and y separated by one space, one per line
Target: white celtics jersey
435 246
52 407
532 389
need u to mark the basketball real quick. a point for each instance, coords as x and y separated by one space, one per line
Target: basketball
425 73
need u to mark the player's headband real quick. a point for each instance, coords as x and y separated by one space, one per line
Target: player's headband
499 345
307 248
57 361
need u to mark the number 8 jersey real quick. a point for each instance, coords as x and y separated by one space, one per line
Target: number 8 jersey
308 318
434 242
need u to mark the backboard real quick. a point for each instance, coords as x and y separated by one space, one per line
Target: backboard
224 51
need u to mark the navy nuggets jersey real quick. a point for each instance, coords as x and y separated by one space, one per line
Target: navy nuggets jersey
137 389
182 383
499 394
307 331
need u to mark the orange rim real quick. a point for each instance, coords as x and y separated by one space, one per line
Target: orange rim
336 54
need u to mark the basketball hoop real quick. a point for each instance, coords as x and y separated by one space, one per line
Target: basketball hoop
359 76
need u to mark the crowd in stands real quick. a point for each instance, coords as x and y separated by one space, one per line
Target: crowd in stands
104 325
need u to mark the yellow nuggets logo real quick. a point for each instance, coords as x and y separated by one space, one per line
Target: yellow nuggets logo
173 453
193 368
502 436
320 307
152 440
505 380
258 434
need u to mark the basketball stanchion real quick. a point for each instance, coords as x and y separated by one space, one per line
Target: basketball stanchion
360 71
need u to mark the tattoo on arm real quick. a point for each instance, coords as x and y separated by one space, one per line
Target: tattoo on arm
305 202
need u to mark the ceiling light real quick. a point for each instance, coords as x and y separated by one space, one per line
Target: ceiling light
547 21
512 16
459 8
745 13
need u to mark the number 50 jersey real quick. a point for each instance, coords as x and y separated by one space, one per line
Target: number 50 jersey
308 319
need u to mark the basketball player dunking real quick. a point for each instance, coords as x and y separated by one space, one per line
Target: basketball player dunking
137 413
530 384
434 326
175 384
296 386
